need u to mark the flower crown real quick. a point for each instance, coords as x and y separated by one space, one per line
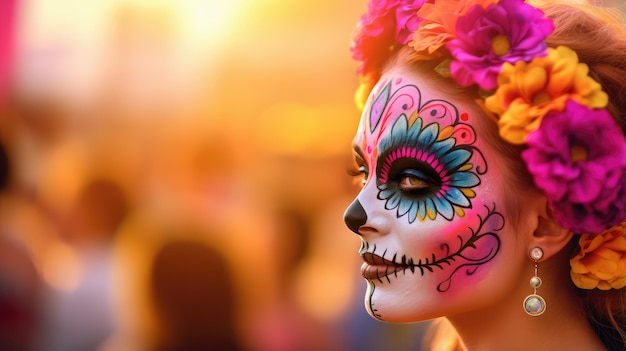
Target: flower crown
542 97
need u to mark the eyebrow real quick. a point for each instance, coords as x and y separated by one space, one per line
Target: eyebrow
358 151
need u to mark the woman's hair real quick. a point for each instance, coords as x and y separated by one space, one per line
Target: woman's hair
599 39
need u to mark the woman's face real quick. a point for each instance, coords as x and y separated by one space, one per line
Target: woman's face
431 211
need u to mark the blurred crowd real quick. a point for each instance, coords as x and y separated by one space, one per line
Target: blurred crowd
166 187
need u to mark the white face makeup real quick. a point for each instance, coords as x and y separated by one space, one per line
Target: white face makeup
430 210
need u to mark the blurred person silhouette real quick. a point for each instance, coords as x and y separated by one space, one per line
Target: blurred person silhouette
175 289
194 297
81 317
20 286
19 296
285 325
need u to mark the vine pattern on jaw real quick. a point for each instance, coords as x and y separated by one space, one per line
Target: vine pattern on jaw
471 264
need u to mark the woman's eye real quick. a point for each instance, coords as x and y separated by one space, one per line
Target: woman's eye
413 180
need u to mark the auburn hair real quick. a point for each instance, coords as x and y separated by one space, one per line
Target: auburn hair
599 38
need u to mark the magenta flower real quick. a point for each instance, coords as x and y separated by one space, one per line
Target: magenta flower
383 28
578 158
508 31
407 20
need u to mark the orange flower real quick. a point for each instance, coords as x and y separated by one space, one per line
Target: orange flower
527 91
601 262
439 25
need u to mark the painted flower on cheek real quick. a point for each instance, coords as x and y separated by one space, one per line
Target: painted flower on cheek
438 25
508 31
438 177
578 158
527 91
601 262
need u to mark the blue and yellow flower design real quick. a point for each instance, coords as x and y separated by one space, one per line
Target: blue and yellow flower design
431 157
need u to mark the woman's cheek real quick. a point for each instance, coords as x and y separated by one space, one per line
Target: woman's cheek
458 253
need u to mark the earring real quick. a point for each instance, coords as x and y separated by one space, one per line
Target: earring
534 304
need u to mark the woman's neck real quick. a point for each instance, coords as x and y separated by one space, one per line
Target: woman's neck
505 325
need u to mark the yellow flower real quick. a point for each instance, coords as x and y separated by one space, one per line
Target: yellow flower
601 262
527 91
438 25
366 85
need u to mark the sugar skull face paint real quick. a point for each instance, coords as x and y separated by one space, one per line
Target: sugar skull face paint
429 213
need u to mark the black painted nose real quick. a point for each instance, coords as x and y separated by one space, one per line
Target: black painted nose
355 216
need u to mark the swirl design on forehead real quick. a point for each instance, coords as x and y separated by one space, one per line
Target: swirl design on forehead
438 160
405 98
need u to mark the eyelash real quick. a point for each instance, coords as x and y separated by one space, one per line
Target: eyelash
410 176
359 172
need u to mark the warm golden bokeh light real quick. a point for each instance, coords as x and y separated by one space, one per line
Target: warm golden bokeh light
151 142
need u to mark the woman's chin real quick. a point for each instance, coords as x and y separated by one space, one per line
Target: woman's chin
381 303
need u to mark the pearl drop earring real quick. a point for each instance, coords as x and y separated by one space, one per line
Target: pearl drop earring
534 304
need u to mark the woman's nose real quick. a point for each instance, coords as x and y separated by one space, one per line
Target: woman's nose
355 216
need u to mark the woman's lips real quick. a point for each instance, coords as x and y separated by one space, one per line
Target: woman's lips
376 267
379 270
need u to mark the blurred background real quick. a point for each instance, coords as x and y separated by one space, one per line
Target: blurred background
173 177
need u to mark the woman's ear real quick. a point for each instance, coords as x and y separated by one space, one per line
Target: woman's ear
549 235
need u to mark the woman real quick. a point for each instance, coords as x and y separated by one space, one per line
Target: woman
492 156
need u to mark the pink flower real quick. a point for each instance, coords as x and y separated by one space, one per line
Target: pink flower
380 31
578 158
508 31
407 20
438 25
